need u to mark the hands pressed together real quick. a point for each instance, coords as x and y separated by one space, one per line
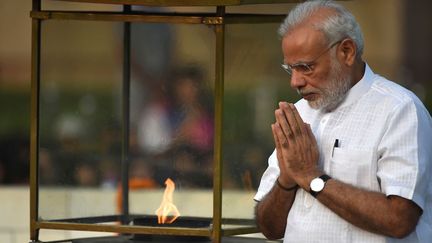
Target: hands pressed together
296 148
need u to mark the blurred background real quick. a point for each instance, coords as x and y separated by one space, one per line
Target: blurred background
171 97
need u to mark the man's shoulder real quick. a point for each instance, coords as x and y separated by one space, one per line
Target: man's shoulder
389 92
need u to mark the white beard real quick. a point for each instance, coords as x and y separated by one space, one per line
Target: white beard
334 93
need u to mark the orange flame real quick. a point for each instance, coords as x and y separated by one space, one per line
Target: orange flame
167 205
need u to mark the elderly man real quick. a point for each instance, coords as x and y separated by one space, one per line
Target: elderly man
353 158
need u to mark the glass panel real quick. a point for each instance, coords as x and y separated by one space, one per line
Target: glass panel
172 117
254 82
79 118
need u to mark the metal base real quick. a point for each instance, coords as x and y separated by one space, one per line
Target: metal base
128 239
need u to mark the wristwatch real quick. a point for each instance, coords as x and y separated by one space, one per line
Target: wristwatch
317 184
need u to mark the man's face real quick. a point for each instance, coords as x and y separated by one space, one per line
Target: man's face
328 82
334 91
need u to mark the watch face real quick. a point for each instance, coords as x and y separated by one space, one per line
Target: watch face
317 185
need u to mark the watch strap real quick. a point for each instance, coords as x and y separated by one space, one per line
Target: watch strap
325 178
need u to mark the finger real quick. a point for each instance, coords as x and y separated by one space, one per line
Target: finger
311 136
280 148
303 140
275 138
283 122
292 122
279 136
299 121
279 152
313 153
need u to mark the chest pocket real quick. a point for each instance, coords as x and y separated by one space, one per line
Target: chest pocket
355 167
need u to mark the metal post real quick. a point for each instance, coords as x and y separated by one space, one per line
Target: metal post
219 88
34 122
125 118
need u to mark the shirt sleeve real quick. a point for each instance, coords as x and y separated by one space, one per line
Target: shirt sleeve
404 166
269 177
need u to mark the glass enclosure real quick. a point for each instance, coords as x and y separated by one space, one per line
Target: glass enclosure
171 115
150 118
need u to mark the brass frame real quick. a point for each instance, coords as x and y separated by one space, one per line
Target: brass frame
218 20
167 3
34 121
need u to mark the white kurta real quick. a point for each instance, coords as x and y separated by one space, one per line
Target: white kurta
385 144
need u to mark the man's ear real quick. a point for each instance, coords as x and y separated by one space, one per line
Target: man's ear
348 51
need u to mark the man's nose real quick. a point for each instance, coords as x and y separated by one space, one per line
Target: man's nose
297 80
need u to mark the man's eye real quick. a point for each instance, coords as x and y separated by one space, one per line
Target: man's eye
303 68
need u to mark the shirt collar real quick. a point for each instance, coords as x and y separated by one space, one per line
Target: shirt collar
359 89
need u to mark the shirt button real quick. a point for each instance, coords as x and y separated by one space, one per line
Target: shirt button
323 120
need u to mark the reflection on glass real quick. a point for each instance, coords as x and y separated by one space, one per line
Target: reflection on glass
175 129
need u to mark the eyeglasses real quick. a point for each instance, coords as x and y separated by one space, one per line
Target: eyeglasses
306 68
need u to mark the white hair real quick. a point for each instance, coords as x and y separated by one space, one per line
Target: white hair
335 27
